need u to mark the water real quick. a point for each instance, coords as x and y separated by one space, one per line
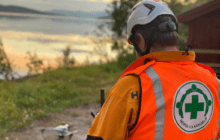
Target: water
48 36
50 25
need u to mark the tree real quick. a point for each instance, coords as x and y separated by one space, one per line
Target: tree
65 61
119 12
35 64
68 62
5 63
100 41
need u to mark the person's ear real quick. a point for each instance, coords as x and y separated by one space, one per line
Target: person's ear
129 41
141 43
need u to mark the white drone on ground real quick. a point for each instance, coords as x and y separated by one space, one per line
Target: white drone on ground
62 129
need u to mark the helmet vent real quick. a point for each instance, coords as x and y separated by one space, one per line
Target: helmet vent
150 6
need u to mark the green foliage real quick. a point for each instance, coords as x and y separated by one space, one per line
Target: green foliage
120 46
9 114
182 45
5 63
121 10
68 62
92 71
183 33
125 57
125 60
53 91
100 41
35 64
176 5
110 67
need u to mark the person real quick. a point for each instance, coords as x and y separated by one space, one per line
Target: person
164 94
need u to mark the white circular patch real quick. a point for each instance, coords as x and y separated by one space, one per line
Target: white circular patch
192 106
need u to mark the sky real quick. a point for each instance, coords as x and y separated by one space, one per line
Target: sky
72 5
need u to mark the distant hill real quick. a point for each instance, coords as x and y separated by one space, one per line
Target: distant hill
81 14
18 9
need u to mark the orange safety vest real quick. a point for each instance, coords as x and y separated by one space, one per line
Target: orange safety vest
178 100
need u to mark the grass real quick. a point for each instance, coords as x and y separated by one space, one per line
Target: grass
22 101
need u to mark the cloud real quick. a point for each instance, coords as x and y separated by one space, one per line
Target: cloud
44 38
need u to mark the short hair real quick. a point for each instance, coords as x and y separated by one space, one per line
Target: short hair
161 38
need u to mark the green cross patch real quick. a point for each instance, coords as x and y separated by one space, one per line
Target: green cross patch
192 106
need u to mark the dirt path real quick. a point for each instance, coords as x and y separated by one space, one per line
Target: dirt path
79 119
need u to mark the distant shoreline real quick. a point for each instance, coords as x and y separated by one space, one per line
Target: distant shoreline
29 14
9 14
25 10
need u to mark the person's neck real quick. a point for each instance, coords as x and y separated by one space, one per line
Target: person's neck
156 49
161 49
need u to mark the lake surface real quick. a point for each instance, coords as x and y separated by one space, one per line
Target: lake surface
47 36
49 24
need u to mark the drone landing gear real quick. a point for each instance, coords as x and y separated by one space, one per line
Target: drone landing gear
60 137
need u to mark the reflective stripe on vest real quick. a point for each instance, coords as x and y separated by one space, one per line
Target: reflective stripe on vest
160 102
216 133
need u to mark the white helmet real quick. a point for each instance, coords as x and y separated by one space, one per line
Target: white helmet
146 11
